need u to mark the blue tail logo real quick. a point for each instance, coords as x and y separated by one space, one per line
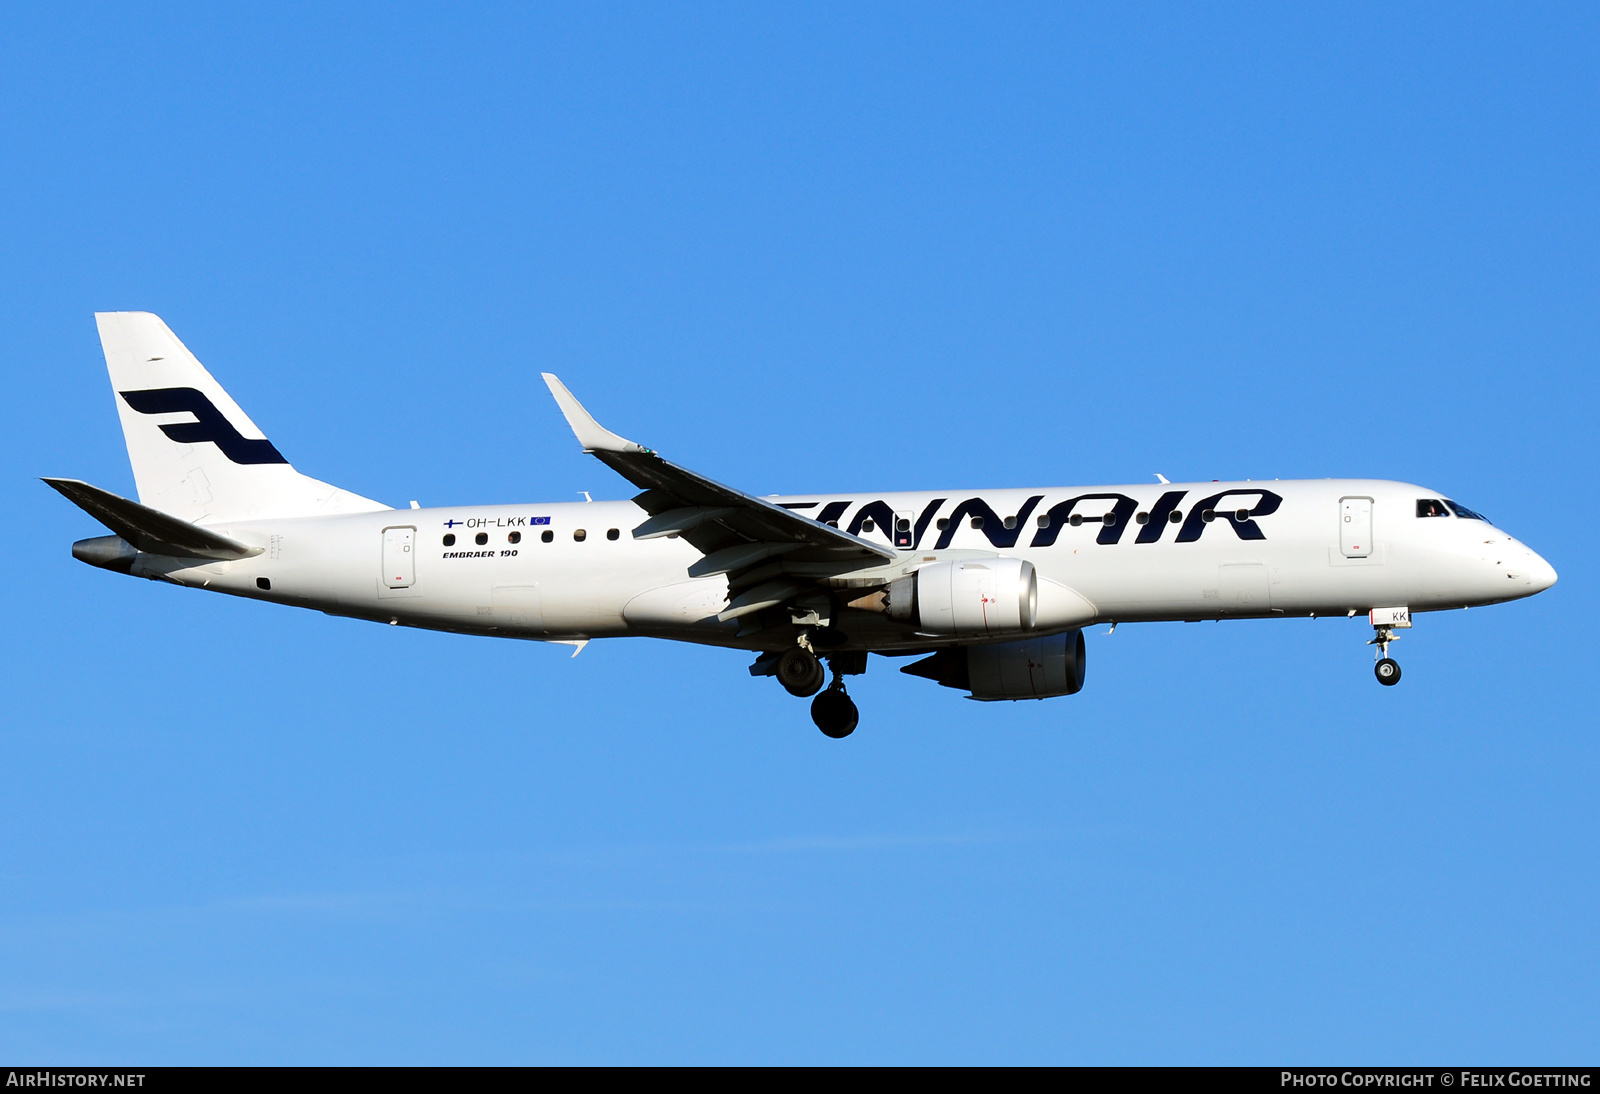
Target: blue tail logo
209 424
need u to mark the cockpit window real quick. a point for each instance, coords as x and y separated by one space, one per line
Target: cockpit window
1431 507
1467 514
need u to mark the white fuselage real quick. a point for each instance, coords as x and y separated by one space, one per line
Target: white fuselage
1314 556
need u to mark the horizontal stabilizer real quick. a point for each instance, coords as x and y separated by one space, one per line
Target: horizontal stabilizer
150 529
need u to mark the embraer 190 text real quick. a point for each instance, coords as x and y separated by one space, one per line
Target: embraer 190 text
991 589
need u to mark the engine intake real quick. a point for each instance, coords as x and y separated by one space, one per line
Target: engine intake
1036 668
974 597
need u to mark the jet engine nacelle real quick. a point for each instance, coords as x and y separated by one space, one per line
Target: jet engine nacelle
1036 668
968 597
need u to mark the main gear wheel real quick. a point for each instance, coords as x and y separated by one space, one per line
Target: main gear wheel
835 712
800 672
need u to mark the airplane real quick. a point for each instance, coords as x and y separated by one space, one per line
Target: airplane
989 589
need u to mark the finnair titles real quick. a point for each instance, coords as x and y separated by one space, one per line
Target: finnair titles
988 590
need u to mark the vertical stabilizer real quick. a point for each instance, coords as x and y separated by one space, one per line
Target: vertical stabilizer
195 453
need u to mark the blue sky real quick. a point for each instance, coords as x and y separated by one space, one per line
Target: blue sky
804 248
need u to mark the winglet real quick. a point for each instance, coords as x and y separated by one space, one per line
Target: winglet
591 434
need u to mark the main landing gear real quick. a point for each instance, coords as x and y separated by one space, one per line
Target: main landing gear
835 712
802 674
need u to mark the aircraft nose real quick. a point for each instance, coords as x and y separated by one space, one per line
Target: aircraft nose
1541 575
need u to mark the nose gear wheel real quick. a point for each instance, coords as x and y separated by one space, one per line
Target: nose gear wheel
1387 670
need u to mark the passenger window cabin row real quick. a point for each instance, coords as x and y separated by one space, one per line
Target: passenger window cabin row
547 536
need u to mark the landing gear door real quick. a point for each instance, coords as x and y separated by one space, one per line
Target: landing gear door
905 523
1355 527
399 557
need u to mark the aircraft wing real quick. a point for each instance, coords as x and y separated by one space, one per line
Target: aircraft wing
150 529
733 529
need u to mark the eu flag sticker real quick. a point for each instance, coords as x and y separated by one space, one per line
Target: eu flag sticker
538 520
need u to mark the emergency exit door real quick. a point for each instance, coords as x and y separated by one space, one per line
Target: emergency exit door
904 525
1355 527
399 557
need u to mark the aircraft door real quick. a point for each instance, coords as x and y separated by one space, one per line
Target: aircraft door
399 557
905 524
1355 527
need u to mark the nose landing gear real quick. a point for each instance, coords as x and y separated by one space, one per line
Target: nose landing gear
1385 621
